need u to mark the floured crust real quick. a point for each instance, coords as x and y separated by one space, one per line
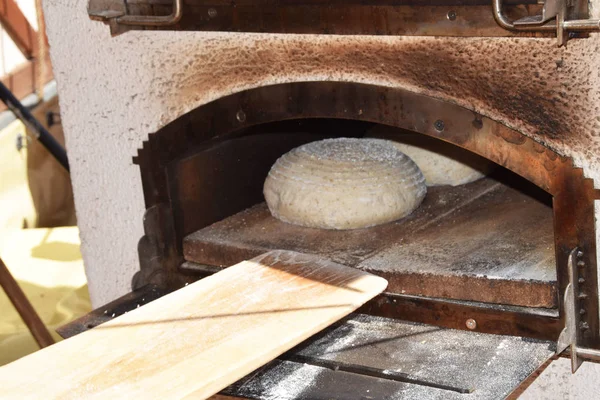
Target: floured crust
344 184
441 163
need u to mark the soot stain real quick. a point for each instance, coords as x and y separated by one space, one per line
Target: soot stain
495 77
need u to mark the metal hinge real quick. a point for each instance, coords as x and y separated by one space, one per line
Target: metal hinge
553 9
121 17
573 312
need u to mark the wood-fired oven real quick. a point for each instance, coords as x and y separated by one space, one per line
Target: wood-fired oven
512 254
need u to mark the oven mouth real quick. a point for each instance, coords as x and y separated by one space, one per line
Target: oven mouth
502 242
487 241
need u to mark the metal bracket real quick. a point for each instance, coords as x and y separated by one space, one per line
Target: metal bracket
550 10
120 16
573 313
167 20
541 23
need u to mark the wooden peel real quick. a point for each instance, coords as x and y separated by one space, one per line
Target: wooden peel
200 339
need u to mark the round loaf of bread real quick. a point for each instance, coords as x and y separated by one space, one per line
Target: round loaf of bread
440 162
344 183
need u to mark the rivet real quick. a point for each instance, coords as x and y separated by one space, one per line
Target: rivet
451 15
582 295
212 12
584 325
439 125
581 280
241 116
581 311
471 323
579 253
580 264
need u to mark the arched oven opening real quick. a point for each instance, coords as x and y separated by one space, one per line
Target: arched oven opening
491 256
487 241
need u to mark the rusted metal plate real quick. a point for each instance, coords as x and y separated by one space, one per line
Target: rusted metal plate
378 358
378 17
575 227
538 323
348 19
483 241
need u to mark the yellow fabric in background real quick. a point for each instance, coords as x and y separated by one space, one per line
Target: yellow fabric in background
47 265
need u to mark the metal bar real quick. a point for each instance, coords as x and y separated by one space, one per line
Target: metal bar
589 354
144 20
45 138
478 317
24 307
507 24
574 25
582 25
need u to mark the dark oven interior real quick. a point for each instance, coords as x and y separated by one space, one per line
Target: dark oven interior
495 252
489 241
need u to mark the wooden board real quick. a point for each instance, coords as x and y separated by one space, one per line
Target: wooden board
485 241
199 339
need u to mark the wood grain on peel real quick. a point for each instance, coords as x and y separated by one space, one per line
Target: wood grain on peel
197 340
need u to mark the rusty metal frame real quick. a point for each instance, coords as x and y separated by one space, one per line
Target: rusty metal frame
378 17
519 321
227 117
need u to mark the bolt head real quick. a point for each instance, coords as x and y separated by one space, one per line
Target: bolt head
212 12
451 15
439 125
240 116
471 323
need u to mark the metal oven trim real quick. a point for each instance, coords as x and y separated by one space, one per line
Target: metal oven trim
574 195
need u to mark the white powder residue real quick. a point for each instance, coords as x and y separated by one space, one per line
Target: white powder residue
294 384
352 150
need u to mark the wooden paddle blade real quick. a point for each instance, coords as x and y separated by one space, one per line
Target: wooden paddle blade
201 338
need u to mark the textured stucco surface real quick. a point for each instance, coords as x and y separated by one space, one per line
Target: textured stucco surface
557 383
114 91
